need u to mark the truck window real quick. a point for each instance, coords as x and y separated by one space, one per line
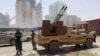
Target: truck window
74 31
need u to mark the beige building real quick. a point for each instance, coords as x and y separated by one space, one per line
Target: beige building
72 20
27 13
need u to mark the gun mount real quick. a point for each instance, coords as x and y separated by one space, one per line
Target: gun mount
56 27
60 14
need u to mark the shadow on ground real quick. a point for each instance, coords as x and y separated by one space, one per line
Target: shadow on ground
5 46
64 50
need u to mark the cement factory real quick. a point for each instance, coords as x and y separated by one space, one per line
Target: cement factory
29 14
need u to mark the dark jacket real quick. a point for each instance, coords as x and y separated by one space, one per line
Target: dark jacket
18 41
32 35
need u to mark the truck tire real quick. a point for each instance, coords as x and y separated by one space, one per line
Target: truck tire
53 46
47 48
89 43
28 39
12 42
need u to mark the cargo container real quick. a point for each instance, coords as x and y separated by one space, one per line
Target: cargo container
91 25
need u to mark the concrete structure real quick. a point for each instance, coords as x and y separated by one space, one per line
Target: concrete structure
38 15
4 21
54 9
28 13
72 20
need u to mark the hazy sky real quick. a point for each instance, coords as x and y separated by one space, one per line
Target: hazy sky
85 9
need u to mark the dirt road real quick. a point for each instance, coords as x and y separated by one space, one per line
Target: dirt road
64 51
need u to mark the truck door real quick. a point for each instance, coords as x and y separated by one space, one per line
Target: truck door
74 36
1 38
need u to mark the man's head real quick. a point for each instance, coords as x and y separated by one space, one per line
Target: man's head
18 31
33 31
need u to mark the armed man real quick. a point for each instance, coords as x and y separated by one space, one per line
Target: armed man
33 41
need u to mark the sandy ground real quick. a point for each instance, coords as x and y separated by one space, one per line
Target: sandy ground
6 50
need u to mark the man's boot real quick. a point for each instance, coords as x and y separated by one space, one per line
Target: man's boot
21 52
17 52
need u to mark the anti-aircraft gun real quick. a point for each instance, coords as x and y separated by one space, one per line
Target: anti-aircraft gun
53 28
60 14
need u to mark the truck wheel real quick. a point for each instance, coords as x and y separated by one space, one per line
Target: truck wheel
47 49
89 43
54 46
12 42
28 39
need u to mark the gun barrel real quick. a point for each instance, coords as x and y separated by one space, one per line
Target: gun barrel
60 14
